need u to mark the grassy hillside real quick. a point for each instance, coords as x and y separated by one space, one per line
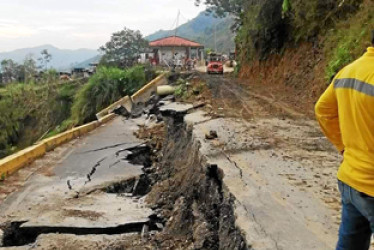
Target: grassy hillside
201 29
30 112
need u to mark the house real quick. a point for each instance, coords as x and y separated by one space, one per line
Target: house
147 56
93 67
167 50
80 73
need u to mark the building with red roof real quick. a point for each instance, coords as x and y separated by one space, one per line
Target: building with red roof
167 50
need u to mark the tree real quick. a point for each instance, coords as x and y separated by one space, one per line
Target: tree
44 59
9 71
124 48
30 68
221 8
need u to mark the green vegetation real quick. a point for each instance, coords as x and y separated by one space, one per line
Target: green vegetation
286 6
348 40
188 91
311 18
181 88
35 105
28 111
123 49
340 29
33 111
263 30
105 87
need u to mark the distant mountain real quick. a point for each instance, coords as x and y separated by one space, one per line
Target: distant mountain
201 29
86 63
62 59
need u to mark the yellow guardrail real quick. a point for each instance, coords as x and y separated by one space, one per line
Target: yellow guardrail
14 162
141 95
125 101
144 93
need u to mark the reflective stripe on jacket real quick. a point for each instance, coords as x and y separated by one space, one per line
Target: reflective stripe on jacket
345 113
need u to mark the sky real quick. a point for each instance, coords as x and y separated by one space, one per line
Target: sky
73 24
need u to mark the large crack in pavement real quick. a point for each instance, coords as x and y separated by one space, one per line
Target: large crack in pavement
106 147
16 235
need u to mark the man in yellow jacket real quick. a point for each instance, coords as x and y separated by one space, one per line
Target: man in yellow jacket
345 113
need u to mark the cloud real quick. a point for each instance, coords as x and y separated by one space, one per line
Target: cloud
84 23
9 31
87 35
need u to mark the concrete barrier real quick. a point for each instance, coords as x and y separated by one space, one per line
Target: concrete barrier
106 118
125 101
14 162
146 92
142 95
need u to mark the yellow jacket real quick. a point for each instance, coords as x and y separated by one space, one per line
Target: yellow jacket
345 113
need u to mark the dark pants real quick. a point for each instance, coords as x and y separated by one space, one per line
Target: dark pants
357 223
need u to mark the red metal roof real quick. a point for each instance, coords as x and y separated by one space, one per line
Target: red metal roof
174 41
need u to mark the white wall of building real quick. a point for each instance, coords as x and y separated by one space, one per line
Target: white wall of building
144 57
166 54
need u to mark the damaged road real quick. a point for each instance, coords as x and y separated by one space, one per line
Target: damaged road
241 170
77 189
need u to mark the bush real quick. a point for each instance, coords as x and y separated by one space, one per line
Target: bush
309 18
28 111
349 39
107 86
269 25
262 31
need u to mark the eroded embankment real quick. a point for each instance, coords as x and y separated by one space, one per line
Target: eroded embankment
189 193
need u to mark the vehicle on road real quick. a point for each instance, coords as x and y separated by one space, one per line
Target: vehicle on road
214 63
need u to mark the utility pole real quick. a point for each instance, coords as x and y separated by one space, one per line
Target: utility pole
175 36
176 27
215 38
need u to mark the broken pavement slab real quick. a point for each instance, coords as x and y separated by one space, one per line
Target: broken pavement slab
176 107
99 210
196 117
271 211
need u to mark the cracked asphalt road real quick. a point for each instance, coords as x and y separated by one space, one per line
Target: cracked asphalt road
63 189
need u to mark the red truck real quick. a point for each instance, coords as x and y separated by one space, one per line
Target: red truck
214 63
